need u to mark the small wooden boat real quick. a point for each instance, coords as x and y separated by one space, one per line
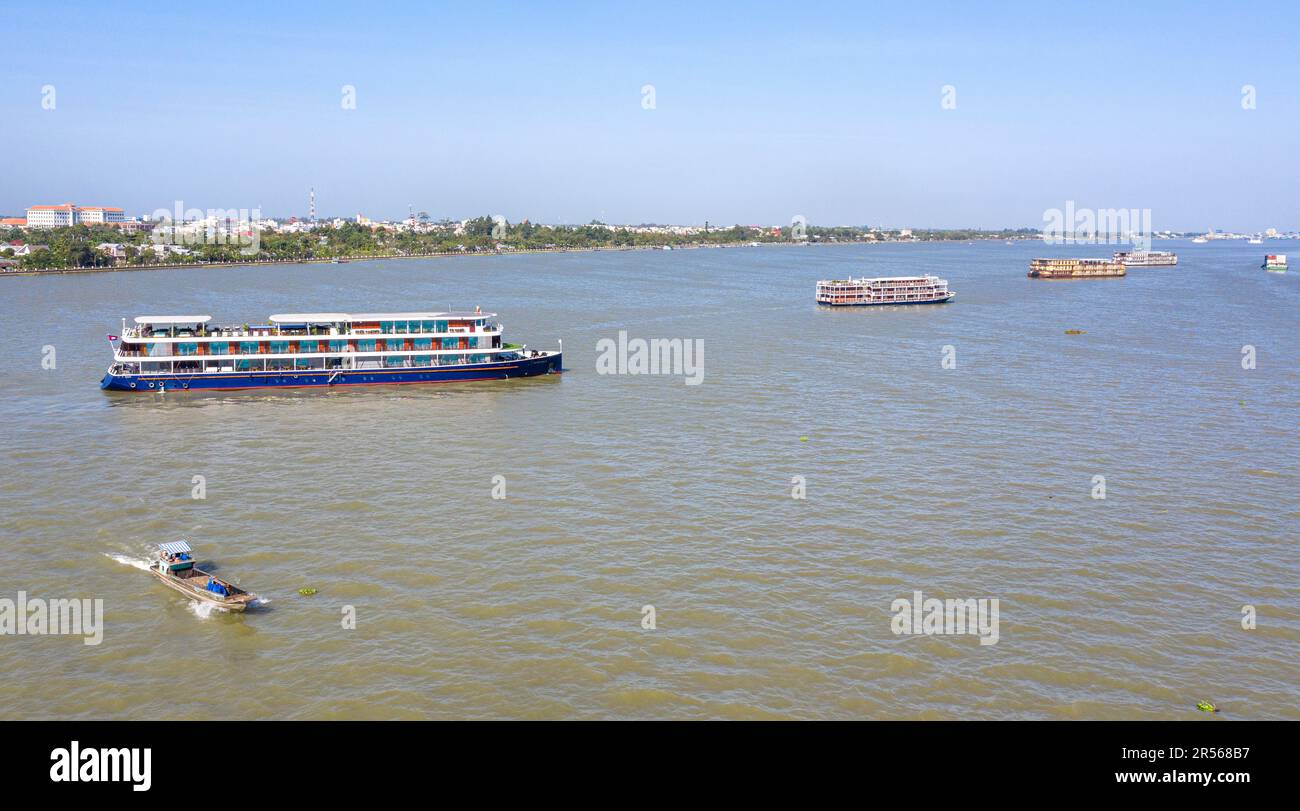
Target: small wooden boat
174 566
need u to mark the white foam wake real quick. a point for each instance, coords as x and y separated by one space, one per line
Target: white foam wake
140 563
201 610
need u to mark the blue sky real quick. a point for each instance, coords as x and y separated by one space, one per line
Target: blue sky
762 111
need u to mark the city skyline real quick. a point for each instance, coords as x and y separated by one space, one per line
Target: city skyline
415 216
928 118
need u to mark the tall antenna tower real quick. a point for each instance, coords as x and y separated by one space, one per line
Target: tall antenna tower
312 205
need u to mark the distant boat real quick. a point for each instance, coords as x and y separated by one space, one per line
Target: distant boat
851 292
1255 241
1145 258
1275 263
1075 268
1200 240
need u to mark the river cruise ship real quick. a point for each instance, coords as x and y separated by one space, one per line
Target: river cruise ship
1275 262
1146 258
884 290
1074 268
170 352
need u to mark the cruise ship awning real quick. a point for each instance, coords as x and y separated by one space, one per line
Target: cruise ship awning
309 318
416 316
173 320
341 318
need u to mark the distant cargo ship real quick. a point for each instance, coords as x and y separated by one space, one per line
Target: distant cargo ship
1275 262
1146 258
1075 268
884 290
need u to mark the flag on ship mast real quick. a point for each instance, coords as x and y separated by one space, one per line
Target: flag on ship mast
112 338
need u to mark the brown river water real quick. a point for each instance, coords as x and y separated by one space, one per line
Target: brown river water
623 491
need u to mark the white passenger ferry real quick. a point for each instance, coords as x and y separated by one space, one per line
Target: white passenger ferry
1146 258
168 352
884 290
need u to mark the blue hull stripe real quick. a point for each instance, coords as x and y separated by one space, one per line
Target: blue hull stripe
886 303
528 367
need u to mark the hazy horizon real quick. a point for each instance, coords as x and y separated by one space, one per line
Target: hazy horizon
830 111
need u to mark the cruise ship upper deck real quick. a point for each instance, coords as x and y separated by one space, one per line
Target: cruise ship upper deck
191 327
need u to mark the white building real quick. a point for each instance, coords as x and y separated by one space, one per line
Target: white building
70 214
94 215
113 249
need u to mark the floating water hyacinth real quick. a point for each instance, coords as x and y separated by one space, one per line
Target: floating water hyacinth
306 591
1205 706
1076 332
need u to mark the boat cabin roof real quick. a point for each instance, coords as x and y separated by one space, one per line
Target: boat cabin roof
345 318
922 278
309 318
172 320
175 547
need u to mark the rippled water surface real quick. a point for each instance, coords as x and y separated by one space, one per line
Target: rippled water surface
626 491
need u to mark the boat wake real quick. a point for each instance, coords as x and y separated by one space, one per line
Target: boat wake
140 563
202 610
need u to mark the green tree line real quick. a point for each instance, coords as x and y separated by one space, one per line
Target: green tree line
75 246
